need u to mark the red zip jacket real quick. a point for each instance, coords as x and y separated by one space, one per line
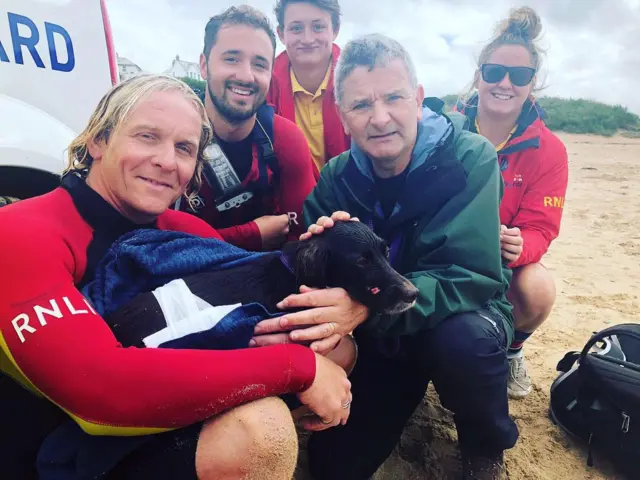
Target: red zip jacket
53 342
535 171
295 182
281 97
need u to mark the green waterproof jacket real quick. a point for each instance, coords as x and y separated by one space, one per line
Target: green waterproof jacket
444 229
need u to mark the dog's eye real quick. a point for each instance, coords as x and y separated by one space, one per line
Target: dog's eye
365 259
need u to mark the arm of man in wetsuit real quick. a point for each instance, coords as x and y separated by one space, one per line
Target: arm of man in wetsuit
56 345
246 235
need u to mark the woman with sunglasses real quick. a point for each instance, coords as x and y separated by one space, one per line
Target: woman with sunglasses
534 166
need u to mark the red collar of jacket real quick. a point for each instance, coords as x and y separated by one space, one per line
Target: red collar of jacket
281 97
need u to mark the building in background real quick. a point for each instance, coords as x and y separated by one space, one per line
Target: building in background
180 69
127 69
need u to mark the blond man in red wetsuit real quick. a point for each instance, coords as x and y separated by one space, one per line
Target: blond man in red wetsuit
206 414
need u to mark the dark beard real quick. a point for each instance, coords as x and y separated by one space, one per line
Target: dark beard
231 114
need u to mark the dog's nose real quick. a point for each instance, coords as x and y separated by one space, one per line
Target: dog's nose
409 292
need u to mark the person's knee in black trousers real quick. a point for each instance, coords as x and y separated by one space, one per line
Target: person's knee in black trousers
469 368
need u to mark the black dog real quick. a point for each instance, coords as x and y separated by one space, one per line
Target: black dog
348 255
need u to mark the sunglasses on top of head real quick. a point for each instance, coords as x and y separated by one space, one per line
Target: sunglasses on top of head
519 76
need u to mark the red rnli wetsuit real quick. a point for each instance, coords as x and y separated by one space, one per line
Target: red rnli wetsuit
55 345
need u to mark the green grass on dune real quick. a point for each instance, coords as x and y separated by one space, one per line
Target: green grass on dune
581 116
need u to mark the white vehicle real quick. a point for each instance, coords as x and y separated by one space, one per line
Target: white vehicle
56 61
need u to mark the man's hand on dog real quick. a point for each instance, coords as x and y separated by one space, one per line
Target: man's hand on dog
331 313
326 222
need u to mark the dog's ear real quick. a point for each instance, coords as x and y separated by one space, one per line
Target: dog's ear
312 263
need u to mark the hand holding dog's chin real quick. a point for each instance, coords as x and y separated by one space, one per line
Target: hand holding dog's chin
332 314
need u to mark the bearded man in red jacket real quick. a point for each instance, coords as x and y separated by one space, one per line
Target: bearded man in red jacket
254 199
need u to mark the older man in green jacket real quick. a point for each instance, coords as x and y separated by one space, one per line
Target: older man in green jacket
431 189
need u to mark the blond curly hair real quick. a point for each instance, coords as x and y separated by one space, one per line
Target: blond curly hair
115 107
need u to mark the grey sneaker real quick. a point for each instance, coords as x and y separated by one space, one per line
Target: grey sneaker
519 384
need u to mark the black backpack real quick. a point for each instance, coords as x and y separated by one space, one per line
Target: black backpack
596 397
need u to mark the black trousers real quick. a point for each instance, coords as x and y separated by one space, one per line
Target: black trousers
464 356
26 421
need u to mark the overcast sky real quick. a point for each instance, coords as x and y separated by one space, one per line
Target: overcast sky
593 46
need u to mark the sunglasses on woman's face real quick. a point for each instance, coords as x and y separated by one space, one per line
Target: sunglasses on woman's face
519 76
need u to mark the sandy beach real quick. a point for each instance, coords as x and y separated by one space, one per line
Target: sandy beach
596 264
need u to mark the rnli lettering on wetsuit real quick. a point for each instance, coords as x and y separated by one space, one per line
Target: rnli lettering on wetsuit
28 323
25 39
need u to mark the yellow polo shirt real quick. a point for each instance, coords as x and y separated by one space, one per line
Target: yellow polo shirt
308 107
501 145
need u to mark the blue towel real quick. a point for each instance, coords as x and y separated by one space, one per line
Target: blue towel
138 262
145 259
